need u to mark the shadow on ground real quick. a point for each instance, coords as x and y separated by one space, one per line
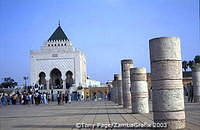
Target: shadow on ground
66 114
44 126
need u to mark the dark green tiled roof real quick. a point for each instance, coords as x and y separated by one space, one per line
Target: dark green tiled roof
58 35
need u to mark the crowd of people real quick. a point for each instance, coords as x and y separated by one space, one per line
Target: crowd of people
61 97
36 98
25 98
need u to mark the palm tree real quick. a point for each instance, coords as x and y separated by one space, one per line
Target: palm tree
185 65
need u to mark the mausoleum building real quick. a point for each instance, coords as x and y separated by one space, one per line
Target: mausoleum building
57 65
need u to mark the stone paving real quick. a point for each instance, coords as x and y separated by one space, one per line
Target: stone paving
62 117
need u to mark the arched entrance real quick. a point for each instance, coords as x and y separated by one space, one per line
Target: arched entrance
69 79
55 79
42 81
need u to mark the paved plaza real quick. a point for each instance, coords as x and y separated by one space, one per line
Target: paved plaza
61 117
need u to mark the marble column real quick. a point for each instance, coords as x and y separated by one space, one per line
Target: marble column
112 93
119 89
167 86
126 64
139 90
47 83
114 96
117 77
196 82
64 84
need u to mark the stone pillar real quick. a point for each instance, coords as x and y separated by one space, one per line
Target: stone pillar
47 82
64 84
119 89
196 82
167 86
126 83
117 77
114 91
139 90
63 81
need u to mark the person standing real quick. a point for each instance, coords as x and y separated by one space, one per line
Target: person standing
29 98
0 99
21 99
66 97
78 96
36 97
70 98
33 98
62 97
44 98
58 97
39 97
48 98
14 99
24 98
190 93
8 99
4 99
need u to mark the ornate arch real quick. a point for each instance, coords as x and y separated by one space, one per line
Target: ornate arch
42 80
69 79
56 79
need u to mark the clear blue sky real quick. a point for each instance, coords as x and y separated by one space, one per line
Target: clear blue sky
105 30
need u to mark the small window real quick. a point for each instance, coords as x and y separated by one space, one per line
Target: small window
55 45
61 44
48 45
58 44
51 44
65 44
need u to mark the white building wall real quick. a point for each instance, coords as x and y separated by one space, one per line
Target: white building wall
92 83
65 58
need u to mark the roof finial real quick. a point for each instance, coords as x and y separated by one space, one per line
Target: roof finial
59 23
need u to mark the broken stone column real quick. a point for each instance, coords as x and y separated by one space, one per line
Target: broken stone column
115 92
115 88
167 86
119 86
196 82
117 79
126 83
112 94
139 90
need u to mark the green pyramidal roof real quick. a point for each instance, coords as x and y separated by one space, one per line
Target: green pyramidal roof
58 35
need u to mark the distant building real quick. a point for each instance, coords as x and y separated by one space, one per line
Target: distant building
92 83
58 66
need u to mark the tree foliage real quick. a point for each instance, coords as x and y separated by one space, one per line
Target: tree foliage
185 65
8 82
191 64
197 59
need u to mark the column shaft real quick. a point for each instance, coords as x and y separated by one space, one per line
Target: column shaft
139 90
167 87
196 82
126 83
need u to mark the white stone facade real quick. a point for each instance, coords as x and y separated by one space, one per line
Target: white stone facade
59 55
92 83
